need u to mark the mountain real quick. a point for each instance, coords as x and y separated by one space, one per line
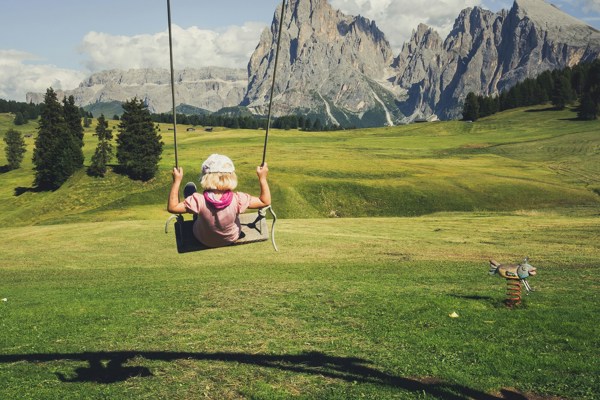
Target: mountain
209 88
341 68
331 65
489 52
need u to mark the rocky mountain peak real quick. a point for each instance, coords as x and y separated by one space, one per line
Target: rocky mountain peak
488 52
544 14
333 67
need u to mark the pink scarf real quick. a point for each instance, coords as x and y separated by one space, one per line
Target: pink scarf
223 202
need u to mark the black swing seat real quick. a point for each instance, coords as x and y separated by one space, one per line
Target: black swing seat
254 229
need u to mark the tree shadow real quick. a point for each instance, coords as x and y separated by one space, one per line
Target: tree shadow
538 110
22 190
108 368
4 169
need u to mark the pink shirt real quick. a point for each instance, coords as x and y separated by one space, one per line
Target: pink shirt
216 228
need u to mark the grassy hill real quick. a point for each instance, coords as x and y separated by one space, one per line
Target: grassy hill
520 159
96 303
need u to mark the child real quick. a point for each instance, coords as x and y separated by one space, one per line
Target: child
218 207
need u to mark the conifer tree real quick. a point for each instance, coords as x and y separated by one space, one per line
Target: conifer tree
317 126
55 153
103 152
471 108
593 82
562 93
139 144
15 148
19 119
588 110
73 120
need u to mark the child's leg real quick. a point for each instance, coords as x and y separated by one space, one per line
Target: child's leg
189 189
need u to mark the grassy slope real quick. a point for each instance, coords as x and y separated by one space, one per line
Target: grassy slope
515 160
349 308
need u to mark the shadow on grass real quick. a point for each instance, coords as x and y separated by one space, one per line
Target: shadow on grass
495 302
492 301
22 190
107 367
538 110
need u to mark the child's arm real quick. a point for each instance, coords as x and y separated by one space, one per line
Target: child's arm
265 193
174 206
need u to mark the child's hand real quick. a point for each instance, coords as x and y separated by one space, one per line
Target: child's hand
262 171
177 174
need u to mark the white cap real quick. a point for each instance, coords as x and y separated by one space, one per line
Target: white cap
217 163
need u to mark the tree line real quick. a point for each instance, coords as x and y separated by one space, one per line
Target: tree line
559 87
285 122
58 151
24 112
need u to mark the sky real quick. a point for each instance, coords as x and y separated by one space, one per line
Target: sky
59 43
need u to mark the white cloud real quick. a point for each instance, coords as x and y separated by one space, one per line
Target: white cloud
19 77
398 18
591 5
192 47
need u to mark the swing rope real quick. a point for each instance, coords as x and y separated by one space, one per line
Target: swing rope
273 82
172 85
270 96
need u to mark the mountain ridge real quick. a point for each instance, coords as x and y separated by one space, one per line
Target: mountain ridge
342 68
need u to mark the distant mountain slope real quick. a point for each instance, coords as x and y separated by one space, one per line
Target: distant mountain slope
207 88
489 52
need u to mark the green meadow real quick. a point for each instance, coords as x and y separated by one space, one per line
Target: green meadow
383 233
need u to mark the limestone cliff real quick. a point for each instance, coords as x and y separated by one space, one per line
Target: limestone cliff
207 88
331 65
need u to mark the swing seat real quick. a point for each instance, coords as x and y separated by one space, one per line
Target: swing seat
254 229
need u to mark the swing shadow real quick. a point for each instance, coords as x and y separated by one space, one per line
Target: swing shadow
108 368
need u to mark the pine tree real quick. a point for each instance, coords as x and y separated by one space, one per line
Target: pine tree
20 119
546 85
103 152
307 124
317 125
588 110
73 120
139 145
55 153
562 93
593 82
471 108
15 148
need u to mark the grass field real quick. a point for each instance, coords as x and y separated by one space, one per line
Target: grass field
100 305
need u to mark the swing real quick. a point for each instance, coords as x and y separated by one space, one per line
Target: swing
254 227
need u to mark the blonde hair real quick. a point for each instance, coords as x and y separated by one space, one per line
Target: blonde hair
219 181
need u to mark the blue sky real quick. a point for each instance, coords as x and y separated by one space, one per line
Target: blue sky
60 42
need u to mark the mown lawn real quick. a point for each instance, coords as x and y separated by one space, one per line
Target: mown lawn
348 309
98 304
